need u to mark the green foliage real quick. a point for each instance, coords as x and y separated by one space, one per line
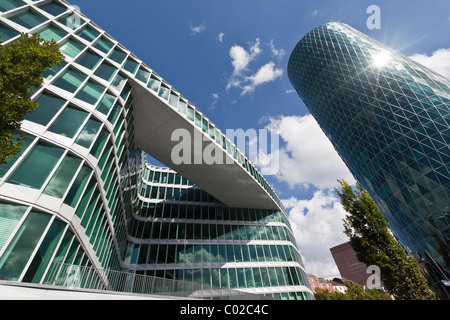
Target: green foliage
354 292
374 244
21 65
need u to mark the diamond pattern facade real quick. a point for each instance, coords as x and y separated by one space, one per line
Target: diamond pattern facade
388 117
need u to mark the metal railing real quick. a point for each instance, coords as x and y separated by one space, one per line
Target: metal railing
89 278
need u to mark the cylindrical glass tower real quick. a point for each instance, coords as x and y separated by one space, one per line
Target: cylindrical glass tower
388 117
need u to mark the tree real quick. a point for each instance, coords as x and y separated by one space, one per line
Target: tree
354 292
374 244
21 65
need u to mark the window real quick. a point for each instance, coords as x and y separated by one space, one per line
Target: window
71 47
104 45
131 65
106 103
35 169
7 32
70 80
10 215
28 19
7 5
106 71
88 134
51 32
89 60
48 106
53 70
78 185
6 166
88 33
23 245
53 8
91 92
63 176
118 56
143 75
69 122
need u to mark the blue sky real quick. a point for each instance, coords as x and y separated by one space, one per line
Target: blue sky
229 59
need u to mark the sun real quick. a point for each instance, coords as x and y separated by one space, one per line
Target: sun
381 59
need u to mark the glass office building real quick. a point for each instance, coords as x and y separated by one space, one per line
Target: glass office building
82 192
388 117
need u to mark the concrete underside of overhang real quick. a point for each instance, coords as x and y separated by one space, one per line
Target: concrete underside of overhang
154 123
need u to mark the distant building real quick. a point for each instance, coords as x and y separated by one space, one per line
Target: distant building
348 264
321 283
339 285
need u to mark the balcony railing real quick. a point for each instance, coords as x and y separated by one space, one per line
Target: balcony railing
91 279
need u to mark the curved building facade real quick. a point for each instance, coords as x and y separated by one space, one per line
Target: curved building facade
388 117
82 192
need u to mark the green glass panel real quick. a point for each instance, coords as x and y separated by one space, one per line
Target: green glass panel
7 33
6 166
106 103
143 75
91 92
104 45
153 84
69 122
10 215
59 257
77 187
131 66
37 166
99 143
164 92
89 60
28 19
88 33
16 256
53 8
48 106
106 71
70 80
6 5
63 176
118 56
44 253
88 134
51 32
71 47
53 70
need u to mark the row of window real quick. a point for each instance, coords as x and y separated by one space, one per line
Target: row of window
208 253
207 212
206 231
236 278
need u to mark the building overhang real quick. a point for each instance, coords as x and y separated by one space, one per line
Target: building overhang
227 180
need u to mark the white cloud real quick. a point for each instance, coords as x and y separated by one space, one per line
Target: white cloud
215 95
317 226
241 57
197 29
220 36
439 61
279 53
315 13
290 91
266 73
308 157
